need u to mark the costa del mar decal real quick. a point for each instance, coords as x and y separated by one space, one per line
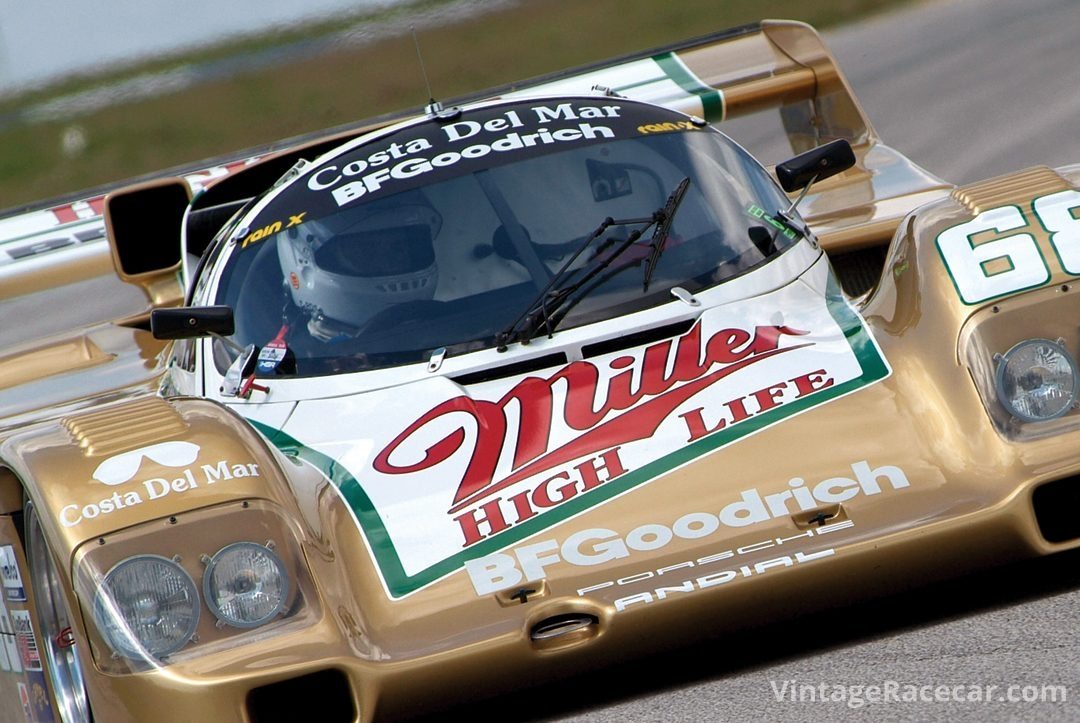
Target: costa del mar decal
465 471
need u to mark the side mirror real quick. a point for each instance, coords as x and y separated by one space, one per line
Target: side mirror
190 322
815 165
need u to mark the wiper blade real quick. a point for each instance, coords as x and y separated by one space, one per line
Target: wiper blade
663 217
537 314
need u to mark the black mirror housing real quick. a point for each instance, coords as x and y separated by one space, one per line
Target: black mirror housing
815 164
191 322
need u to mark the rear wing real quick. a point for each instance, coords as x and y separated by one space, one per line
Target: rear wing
730 78
732 74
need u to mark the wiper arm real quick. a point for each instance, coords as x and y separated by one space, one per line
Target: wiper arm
663 218
537 315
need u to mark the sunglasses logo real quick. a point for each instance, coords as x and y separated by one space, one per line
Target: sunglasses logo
123 467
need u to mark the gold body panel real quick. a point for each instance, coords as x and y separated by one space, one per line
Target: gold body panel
967 501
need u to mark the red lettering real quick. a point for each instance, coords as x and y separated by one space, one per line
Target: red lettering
769 397
541 496
537 408
609 463
620 395
521 506
654 380
695 424
588 408
490 432
812 382
491 515
641 422
722 346
738 410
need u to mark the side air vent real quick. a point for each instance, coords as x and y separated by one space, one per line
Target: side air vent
562 625
1010 188
565 624
325 696
859 270
511 370
640 338
1057 509
124 426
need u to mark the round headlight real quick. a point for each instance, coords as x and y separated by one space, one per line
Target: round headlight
1037 380
245 585
147 605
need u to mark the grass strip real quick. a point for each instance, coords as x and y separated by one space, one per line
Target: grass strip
349 82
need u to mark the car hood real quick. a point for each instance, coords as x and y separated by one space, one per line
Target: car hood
438 472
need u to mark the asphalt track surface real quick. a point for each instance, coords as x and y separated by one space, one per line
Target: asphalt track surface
969 89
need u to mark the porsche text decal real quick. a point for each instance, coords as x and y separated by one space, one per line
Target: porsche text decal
695 578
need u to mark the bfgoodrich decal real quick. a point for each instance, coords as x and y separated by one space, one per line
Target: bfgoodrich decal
449 476
597 546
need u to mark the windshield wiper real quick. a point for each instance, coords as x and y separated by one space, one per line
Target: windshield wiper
663 228
538 315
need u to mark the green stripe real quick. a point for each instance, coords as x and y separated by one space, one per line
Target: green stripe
400 584
712 100
639 84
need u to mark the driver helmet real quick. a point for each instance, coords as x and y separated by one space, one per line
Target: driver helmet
344 269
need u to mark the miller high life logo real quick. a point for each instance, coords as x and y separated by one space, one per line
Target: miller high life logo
451 474
646 389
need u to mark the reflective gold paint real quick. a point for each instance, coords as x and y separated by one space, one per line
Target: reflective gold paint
967 501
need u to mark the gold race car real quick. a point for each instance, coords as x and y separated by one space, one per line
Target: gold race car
521 383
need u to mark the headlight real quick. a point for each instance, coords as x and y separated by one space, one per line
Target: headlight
1037 380
245 585
147 604
253 591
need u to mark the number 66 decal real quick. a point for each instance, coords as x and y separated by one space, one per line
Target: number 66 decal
1014 262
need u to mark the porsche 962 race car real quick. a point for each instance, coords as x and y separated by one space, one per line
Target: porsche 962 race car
518 384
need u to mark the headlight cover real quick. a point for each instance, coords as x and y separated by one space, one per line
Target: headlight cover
147 605
189 540
1037 380
245 585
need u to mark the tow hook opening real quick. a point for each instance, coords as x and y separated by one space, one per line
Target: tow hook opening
819 516
567 628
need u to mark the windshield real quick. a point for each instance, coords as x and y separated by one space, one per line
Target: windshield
442 234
